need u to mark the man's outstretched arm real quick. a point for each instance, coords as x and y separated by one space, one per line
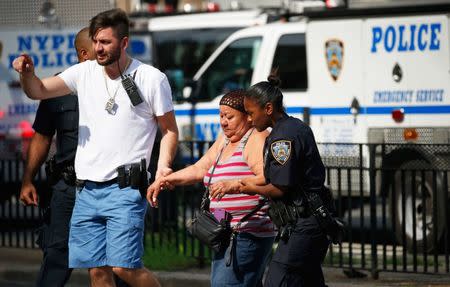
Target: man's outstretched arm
34 87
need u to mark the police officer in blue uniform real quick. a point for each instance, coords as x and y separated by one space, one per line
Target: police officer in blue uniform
60 116
295 176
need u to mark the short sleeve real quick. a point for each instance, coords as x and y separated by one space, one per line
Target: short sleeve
161 100
313 169
70 76
43 123
283 166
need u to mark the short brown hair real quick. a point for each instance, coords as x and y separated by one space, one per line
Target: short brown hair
114 18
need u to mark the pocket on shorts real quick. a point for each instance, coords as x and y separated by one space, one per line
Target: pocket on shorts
135 235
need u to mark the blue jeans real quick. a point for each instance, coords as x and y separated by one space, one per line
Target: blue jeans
248 264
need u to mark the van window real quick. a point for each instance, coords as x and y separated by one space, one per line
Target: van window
232 69
186 49
178 53
290 58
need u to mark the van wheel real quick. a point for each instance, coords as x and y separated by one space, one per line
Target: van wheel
422 210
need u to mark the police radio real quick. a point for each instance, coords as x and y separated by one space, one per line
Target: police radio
132 90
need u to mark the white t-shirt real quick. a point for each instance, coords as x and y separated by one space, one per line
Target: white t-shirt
107 141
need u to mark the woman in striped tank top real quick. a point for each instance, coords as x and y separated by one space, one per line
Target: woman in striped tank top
237 155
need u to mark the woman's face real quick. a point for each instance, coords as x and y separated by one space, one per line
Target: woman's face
233 122
258 116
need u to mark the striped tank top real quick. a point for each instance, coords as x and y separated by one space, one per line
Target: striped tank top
238 205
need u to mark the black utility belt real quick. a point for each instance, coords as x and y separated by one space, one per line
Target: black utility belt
282 213
130 175
133 175
69 176
57 171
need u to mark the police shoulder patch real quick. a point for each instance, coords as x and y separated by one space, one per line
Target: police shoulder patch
281 150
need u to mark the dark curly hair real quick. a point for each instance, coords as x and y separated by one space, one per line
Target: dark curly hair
234 99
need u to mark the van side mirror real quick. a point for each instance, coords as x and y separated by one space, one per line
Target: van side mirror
187 91
190 90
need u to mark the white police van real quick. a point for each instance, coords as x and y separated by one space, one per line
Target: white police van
178 44
378 75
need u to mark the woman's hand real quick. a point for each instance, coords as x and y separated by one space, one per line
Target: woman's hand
219 189
267 190
247 187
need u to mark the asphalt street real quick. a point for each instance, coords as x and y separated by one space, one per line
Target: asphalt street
18 268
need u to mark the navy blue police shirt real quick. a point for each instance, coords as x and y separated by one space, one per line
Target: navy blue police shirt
60 116
291 157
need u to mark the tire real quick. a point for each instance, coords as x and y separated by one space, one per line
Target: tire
414 182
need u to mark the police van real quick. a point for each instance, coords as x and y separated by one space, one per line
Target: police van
366 75
178 44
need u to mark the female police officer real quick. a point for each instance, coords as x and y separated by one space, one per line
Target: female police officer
293 171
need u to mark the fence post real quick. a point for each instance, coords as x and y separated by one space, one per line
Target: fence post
307 115
373 211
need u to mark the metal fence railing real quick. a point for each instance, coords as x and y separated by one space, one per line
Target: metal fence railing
394 199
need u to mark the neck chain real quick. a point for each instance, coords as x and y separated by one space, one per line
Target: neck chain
111 106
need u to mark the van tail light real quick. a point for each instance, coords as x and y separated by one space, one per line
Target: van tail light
213 7
151 8
398 115
169 8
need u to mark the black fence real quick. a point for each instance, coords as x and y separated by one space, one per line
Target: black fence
394 199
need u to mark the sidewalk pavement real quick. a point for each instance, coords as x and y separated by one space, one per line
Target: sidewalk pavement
19 267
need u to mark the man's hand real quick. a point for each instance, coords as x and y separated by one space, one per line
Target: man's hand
28 194
153 190
152 193
23 64
164 171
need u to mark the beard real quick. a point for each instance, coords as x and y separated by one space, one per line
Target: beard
110 58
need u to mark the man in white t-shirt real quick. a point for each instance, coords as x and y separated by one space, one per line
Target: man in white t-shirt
117 129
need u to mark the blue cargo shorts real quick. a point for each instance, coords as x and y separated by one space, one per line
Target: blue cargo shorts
107 227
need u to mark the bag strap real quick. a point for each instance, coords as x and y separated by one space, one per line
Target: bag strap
258 207
247 216
232 250
205 199
244 139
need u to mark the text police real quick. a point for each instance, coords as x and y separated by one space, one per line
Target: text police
402 38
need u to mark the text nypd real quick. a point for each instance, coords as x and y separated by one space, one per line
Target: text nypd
46 50
409 96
